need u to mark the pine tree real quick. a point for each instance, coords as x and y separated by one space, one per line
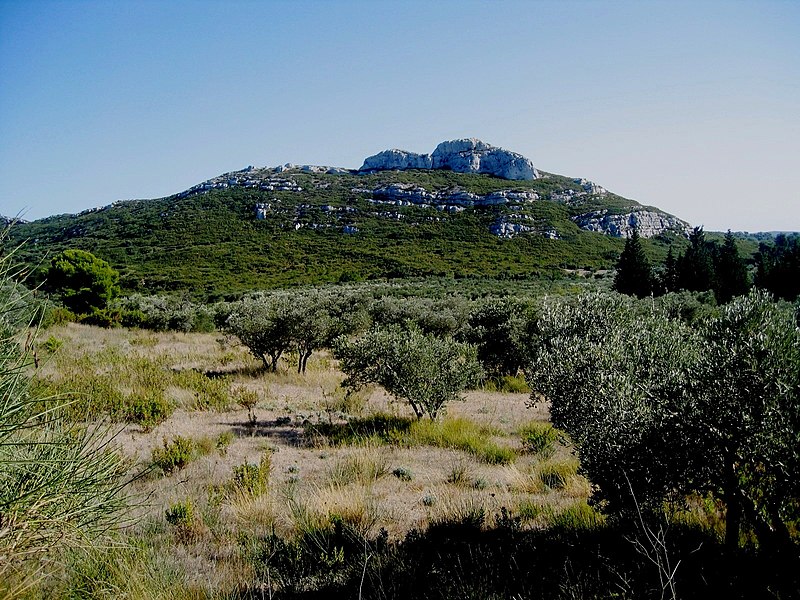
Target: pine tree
634 276
670 275
731 272
696 265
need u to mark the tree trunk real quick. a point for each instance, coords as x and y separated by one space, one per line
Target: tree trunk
303 361
733 517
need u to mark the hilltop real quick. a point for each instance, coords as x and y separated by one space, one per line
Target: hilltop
469 209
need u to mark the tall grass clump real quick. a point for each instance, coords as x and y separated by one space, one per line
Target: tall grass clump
60 485
540 438
460 434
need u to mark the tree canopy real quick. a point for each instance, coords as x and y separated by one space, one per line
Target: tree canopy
660 409
634 275
86 283
424 370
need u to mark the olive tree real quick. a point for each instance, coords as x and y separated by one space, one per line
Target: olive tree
424 370
496 327
300 321
264 323
617 380
660 409
319 317
747 412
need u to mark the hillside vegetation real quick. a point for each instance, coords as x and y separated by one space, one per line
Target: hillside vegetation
211 244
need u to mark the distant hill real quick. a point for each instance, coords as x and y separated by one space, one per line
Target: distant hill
291 225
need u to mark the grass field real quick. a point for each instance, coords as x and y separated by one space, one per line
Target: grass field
234 455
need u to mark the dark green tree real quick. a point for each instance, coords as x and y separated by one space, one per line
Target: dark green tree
696 265
731 273
778 266
495 327
634 276
86 283
669 279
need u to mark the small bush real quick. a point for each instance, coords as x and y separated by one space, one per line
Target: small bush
403 474
148 409
214 394
175 455
187 521
181 514
251 478
223 441
56 315
52 344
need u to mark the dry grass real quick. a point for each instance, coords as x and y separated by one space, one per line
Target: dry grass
465 468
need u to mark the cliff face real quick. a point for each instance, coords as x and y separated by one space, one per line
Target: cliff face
462 156
648 222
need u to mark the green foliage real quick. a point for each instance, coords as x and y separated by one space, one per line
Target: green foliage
211 246
540 438
52 344
252 478
224 441
426 371
660 410
778 266
730 271
264 323
86 283
164 313
181 514
60 484
497 327
634 275
175 455
148 408
696 266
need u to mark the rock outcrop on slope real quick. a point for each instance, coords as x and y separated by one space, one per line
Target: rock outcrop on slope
400 160
462 156
648 222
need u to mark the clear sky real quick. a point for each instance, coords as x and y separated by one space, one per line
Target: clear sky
692 107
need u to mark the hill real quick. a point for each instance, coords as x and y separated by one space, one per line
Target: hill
293 225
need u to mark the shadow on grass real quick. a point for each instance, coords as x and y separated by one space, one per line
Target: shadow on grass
383 428
466 560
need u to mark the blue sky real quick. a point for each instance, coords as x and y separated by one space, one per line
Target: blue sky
692 107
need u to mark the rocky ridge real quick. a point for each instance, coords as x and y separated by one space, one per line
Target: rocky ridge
514 212
462 156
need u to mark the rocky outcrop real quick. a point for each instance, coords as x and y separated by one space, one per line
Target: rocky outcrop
462 156
649 223
408 194
400 160
475 156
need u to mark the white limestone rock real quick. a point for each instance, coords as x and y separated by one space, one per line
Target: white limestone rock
462 156
474 156
395 159
648 223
